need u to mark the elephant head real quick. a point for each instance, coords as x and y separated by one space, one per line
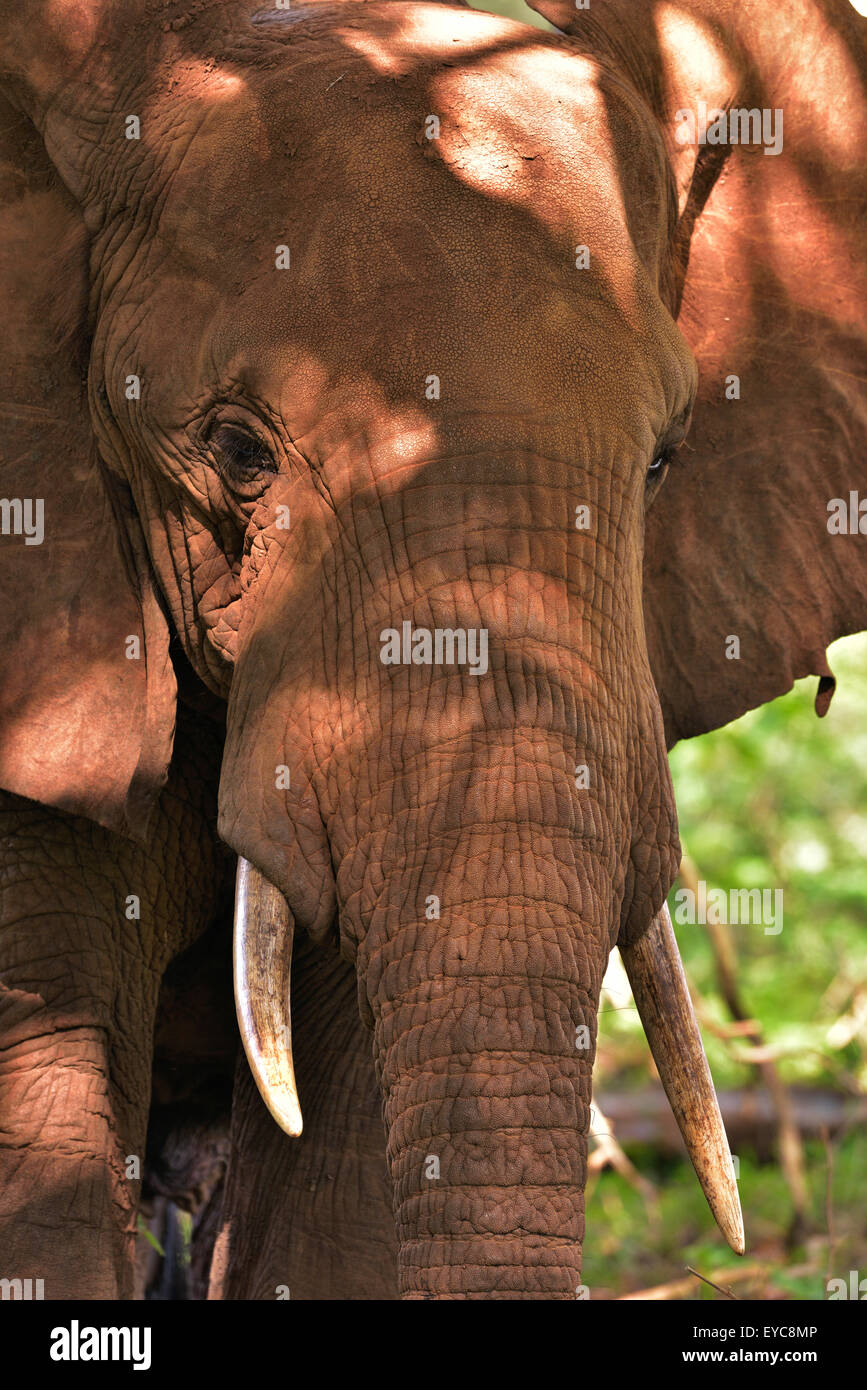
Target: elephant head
380 327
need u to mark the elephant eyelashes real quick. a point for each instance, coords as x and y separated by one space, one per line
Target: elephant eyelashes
241 457
659 467
654 476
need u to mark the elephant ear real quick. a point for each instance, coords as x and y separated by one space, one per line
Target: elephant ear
87 690
754 558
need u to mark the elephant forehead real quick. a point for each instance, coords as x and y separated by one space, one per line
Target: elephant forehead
463 179
344 112
436 205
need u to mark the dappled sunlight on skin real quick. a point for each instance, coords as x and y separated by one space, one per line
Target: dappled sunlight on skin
207 81
709 58
340 712
432 385
412 36
766 221
386 451
697 63
830 110
796 225
453 514
774 295
559 173
380 261
484 141
780 251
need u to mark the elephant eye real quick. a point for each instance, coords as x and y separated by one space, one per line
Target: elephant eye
658 468
241 456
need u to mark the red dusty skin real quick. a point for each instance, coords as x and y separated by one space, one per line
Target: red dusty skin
480 881
485 1029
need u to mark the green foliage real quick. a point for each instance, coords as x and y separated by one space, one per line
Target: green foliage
515 9
776 800
185 1230
144 1230
779 800
631 1246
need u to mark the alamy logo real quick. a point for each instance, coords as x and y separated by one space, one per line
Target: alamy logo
847 519
444 646
855 1289
762 907
23 516
27 1289
738 125
75 1343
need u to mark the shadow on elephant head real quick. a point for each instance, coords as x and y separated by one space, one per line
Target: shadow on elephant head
472 418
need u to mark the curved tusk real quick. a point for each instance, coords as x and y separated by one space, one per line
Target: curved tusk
262 956
660 991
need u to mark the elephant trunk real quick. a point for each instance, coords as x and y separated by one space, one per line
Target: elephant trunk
486 1100
480 969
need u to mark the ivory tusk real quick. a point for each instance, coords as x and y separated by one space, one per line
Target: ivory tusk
661 994
262 959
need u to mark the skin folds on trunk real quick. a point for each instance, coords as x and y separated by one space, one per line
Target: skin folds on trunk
484 1037
480 967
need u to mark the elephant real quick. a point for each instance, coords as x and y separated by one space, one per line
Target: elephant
414 423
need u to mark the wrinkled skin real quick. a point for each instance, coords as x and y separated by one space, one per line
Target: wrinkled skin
265 389
81 989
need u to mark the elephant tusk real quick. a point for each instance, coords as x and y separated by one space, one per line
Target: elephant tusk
262 958
661 994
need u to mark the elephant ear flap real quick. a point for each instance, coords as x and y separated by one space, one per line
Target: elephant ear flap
87 688
756 547
756 552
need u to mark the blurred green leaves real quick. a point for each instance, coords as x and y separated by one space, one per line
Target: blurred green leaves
776 800
779 799
515 9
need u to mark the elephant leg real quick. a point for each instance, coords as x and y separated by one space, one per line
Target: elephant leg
88 924
311 1218
77 1015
